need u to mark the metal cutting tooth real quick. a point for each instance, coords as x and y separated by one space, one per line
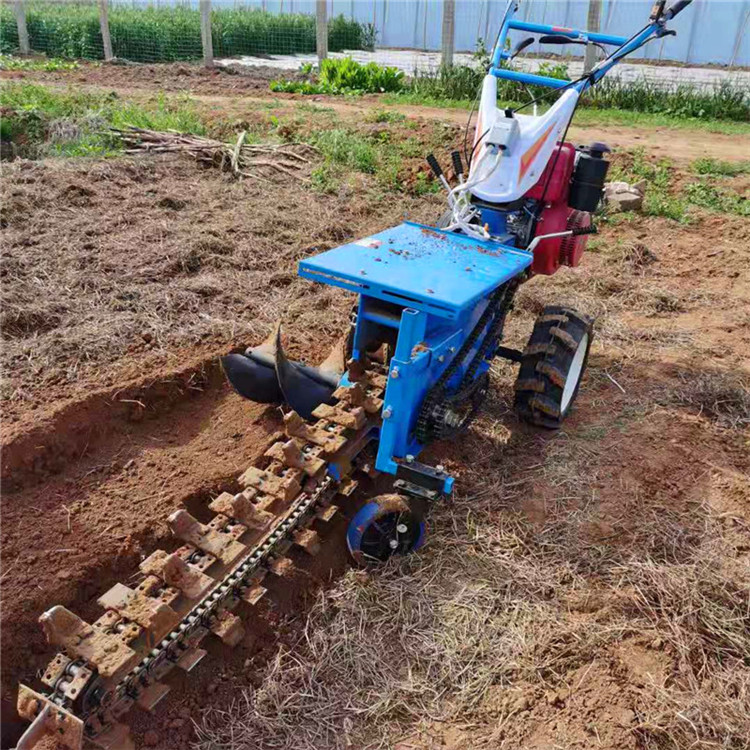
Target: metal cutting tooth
216 543
229 628
174 571
327 513
308 540
106 651
152 695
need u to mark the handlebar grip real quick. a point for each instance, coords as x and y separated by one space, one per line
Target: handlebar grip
434 166
458 167
678 7
584 230
657 10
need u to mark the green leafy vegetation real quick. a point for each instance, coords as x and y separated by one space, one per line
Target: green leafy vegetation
662 199
711 166
380 153
348 149
10 62
460 83
384 115
346 76
725 101
716 198
40 121
166 34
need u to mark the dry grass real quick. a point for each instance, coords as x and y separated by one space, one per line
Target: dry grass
498 609
107 263
722 397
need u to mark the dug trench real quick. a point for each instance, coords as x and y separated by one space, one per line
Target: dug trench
88 492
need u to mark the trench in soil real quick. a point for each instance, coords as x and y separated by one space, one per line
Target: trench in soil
100 478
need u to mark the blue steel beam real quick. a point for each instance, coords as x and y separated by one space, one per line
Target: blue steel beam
592 36
530 78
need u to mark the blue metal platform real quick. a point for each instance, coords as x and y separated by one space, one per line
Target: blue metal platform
441 273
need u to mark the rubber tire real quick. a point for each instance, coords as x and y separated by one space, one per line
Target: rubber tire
558 333
369 513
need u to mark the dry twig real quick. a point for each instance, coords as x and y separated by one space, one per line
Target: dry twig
238 158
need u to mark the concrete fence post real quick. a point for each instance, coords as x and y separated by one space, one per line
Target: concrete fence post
321 29
104 25
206 38
593 21
23 32
449 32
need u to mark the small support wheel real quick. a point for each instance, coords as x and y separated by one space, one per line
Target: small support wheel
552 366
384 527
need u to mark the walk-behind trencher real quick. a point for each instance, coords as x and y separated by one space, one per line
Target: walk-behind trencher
433 300
412 369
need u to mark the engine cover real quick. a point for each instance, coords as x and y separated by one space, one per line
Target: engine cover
571 248
551 253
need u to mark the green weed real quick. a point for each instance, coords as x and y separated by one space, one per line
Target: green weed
716 198
659 200
9 62
711 166
425 186
348 149
42 121
384 115
326 178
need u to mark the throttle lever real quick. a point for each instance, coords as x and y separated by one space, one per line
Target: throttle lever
438 171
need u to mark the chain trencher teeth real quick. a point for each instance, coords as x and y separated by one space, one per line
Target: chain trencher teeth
146 631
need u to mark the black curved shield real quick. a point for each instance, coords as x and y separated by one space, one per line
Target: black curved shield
252 378
303 388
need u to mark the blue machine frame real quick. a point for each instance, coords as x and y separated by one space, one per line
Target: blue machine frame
429 288
656 28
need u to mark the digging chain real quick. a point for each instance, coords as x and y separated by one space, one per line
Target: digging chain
433 422
338 433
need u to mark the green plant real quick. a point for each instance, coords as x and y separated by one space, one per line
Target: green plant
424 186
326 178
9 62
384 115
346 76
348 149
41 120
725 101
711 166
659 200
165 34
714 198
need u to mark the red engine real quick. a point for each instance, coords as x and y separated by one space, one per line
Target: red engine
557 215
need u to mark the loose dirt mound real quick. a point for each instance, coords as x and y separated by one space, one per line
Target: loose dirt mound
177 77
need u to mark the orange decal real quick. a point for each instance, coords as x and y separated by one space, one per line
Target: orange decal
530 155
478 129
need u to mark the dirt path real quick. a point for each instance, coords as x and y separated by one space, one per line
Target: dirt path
231 93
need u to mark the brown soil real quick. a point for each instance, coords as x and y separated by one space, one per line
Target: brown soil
123 280
236 80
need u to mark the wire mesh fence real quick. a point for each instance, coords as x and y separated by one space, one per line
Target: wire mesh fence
168 33
409 35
